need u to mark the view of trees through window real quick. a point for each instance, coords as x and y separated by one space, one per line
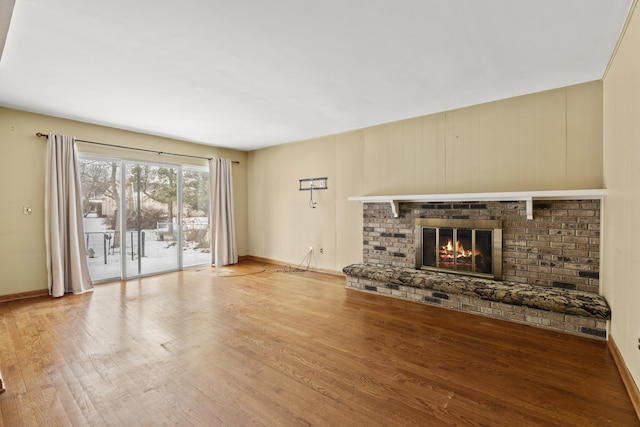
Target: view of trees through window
156 222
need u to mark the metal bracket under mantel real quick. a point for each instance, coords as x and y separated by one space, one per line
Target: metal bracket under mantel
395 207
526 196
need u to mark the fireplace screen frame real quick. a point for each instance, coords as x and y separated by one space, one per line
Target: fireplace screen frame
495 226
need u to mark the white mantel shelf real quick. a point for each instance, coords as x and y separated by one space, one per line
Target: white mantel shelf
516 196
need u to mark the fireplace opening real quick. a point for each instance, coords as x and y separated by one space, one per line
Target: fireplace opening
472 247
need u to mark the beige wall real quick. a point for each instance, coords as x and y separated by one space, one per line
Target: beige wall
621 225
22 163
545 141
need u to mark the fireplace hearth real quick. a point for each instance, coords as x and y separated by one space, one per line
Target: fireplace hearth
461 246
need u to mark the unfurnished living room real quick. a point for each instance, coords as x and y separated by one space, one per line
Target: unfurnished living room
336 213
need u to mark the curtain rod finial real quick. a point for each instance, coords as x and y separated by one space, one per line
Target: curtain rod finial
40 134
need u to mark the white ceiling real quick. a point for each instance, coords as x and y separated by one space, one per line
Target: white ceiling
250 74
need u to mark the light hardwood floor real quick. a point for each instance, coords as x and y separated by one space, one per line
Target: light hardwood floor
270 348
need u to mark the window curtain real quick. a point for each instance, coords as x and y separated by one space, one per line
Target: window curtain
223 231
64 232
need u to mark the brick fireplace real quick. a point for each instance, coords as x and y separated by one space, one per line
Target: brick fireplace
558 248
549 255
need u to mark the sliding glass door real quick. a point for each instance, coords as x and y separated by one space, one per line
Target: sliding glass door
196 229
100 181
151 235
144 218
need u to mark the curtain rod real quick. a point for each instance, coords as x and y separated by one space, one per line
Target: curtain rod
42 135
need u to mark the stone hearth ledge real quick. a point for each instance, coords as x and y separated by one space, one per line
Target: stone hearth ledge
566 301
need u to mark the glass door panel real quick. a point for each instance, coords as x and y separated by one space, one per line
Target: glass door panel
464 249
151 233
196 248
132 221
429 246
100 184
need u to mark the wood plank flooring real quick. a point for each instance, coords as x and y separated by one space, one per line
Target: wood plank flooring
247 345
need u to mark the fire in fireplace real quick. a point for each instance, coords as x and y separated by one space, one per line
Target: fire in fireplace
472 247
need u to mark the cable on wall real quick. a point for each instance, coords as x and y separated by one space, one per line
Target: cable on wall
310 184
299 269
312 204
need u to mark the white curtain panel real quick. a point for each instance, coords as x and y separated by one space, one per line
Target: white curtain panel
223 230
64 231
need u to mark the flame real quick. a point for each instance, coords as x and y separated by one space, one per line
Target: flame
448 252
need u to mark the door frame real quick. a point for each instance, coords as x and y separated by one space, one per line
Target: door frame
123 164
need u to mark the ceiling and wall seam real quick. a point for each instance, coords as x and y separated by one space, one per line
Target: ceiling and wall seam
632 9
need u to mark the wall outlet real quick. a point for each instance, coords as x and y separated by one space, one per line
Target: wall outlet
321 250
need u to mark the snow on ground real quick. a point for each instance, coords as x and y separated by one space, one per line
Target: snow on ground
159 255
